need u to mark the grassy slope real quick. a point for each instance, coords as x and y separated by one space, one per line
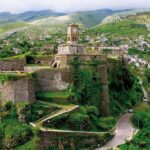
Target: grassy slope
142 16
84 19
120 28
11 26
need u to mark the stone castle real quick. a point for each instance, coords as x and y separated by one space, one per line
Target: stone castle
56 76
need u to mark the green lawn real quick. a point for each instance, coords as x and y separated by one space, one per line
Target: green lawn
51 95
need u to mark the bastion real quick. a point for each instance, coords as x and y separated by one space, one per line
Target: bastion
18 88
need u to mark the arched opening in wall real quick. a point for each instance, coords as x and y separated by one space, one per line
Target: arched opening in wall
12 69
55 65
29 59
39 62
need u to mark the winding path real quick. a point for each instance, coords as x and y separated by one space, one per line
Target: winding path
124 131
64 109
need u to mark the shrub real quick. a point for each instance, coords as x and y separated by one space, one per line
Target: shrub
79 121
141 119
56 122
124 90
106 123
23 111
92 110
8 106
141 116
1 135
19 134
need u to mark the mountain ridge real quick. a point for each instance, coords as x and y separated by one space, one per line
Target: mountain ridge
49 21
27 16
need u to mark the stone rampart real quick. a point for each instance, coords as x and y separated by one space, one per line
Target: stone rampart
18 91
12 65
72 140
52 80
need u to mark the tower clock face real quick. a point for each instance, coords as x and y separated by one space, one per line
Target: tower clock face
74 30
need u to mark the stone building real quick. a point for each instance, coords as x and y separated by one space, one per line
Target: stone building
72 46
72 50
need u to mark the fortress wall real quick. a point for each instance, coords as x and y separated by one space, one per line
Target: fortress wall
52 80
72 140
18 91
44 60
105 101
64 60
103 72
87 57
12 65
113 63
24 90
7 91
105 95
59 80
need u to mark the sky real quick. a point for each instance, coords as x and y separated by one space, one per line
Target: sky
17 6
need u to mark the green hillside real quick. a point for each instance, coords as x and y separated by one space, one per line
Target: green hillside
140 15
91 18
131 22
121 28
85 19
5 27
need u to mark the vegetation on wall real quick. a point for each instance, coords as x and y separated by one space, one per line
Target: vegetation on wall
4 77
87 86
124 90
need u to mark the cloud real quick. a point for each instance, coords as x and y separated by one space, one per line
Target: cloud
70 5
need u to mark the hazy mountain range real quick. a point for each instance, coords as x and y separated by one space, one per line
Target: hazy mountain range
56 21
27 16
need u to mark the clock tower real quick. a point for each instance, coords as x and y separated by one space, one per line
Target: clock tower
72 34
